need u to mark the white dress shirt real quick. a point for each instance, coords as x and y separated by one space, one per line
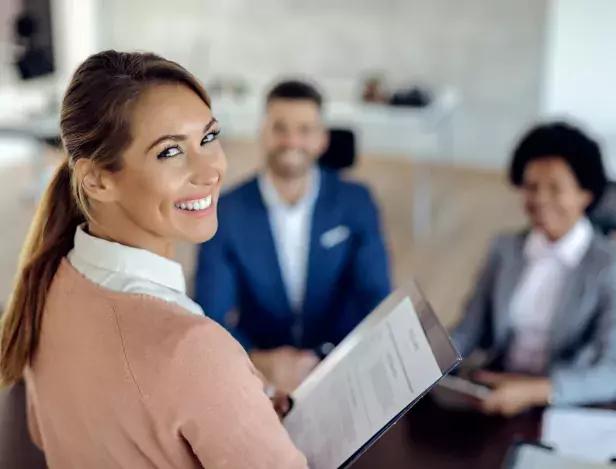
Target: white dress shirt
539 292
130 270
291 228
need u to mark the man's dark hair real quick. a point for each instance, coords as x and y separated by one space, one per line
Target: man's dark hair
297 91
572 145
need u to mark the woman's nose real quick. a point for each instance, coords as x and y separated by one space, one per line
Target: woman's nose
206 174
208 169
542 197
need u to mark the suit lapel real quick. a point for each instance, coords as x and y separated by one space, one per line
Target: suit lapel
569 312
507 283
264 257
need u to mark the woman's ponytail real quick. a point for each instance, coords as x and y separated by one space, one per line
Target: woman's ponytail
95 124
49 240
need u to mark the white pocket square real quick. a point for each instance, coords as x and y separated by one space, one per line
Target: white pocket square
335 236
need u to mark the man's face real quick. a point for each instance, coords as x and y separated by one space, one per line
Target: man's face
293 136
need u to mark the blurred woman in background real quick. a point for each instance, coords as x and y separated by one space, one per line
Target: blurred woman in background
545 301
122 369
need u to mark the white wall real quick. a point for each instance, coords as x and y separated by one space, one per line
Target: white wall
580 68
75 33
510 61
489 50
8 10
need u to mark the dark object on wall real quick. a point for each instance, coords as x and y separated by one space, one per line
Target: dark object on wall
414 97
34 63
25 26
33 33
341 151
16 448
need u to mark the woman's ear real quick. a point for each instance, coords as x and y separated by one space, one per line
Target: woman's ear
96 183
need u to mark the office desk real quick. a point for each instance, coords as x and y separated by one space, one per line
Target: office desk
431 438
426 438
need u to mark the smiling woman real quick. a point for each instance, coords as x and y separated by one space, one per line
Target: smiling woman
544 306
122 369
173 157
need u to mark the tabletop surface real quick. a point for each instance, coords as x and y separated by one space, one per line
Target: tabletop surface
430 437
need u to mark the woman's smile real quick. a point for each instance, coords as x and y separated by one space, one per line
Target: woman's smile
196 206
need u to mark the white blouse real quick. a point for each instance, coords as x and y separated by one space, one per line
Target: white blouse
537 295
130 270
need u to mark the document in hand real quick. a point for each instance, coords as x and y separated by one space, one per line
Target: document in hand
529 456
398 353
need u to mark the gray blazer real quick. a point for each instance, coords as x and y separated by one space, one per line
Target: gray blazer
582 346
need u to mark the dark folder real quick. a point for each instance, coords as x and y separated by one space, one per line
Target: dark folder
385 366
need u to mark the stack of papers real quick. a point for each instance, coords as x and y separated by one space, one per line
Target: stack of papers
587 434
535 457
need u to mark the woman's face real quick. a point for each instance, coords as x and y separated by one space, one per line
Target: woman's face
170 181
553 198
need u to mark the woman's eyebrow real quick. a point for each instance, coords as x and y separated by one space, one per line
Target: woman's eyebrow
180 138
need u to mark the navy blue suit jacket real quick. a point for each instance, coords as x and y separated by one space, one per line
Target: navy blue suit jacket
238 269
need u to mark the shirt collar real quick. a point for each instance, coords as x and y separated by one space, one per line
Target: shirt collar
272 198
131 261
569 249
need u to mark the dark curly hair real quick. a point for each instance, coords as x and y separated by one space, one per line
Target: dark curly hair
563 140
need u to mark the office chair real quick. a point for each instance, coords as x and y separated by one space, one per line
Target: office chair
16 448
604 215
341 152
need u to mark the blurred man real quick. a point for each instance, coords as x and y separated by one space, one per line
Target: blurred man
298 260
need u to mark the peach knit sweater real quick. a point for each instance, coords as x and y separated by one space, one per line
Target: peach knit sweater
134 382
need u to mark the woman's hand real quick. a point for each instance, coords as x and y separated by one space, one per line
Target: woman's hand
281 401
513 393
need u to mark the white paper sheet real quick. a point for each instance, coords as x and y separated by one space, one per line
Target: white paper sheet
589 434
532 457
390 366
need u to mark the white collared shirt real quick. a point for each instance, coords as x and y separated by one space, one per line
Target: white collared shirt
539 292
130 270
291 227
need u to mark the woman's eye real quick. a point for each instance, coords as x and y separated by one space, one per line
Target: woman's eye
169 152
210 137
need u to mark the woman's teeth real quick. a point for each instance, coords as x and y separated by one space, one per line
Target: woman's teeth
198 204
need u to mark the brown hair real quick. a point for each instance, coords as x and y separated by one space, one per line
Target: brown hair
95 124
